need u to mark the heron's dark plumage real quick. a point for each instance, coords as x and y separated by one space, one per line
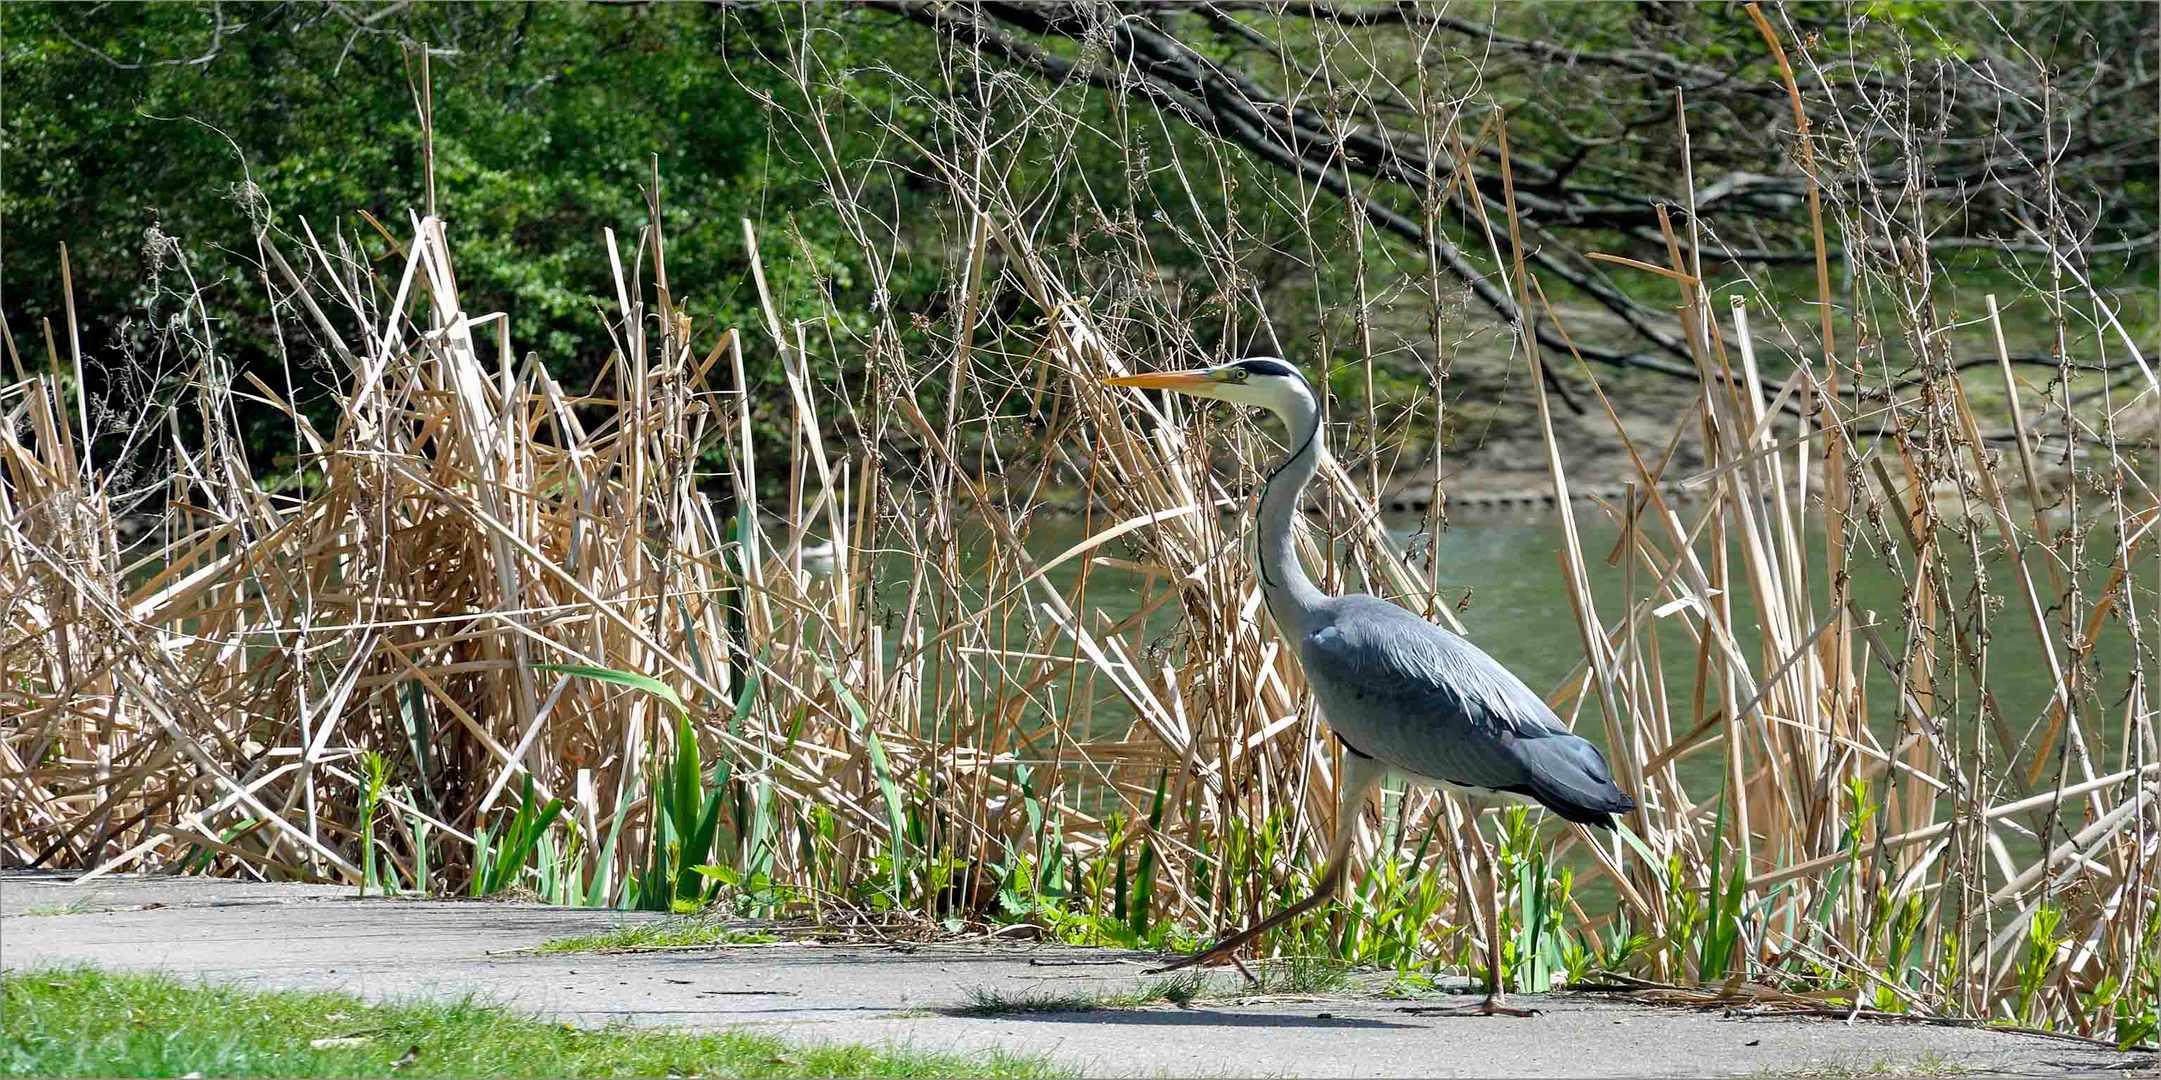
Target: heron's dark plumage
1269 366
1429 703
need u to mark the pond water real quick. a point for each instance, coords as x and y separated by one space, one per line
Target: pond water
1507 566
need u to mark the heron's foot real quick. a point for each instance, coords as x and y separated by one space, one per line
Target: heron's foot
1493 1005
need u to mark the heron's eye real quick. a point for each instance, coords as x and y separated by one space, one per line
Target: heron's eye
1237 374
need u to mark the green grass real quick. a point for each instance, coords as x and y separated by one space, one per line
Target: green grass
78 906
1925 1065
983 1001
1181 989
81 1022
671 934
1303 975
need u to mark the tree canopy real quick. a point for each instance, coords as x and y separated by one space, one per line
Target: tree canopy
139 134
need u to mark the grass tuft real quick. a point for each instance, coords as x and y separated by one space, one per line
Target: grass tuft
670 934
78 906
1303 975
984 1001
1924 1065
1181 989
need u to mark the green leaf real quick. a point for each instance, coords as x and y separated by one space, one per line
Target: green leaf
1642 849
630 679
1145 880
882 770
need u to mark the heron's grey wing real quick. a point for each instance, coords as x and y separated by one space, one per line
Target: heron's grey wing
1398 688
1401 689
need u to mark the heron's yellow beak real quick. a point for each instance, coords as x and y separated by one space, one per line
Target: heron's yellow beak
1187 381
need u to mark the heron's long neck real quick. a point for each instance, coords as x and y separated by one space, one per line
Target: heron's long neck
1291 595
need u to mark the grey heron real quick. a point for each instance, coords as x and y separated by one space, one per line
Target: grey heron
1400 693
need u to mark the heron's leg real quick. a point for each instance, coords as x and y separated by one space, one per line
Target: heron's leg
1360 775
1493 1005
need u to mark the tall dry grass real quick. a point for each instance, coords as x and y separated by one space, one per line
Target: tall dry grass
449 650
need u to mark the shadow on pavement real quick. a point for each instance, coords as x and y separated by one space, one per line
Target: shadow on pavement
1186 1018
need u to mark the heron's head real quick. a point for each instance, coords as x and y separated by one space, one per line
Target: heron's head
1263 382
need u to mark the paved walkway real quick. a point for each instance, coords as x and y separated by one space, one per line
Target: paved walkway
316 937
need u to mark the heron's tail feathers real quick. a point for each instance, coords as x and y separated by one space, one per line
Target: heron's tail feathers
1568 776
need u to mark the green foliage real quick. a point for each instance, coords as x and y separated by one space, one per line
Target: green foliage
882 772
375 772
613 677
137 124
686 808
2043 939
1723 910
2137 997
677 933
196 122
1145 880
501 859
986 1002
1396 907
686 815
419 829
1903 946
1532 919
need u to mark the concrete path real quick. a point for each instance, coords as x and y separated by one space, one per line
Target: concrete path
315 937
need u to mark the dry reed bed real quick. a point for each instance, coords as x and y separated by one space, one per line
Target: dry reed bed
936 708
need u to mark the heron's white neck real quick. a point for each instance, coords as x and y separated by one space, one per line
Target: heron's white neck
1291 595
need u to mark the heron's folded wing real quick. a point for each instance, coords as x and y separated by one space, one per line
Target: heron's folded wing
1401 689
1570 776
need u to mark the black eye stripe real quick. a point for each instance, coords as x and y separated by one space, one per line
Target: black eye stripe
1276 368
